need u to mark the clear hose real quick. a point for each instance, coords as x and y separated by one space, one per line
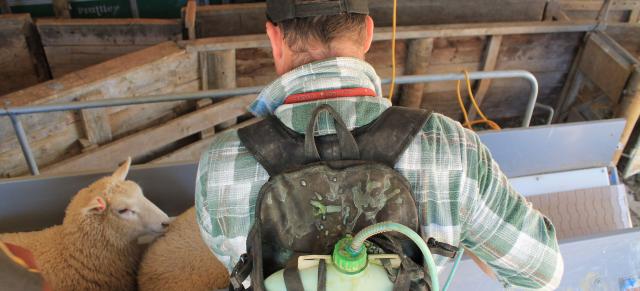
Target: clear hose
367 232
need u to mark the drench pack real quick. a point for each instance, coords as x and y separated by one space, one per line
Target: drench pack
324 188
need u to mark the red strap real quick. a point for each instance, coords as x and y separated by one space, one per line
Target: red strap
328 94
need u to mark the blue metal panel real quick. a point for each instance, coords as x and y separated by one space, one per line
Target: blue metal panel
37 202
554 148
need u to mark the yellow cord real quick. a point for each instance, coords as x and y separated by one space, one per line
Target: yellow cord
393 49
484 119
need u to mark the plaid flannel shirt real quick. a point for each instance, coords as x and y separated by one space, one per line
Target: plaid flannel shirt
461 195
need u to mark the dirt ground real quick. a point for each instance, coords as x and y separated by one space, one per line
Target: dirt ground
633 196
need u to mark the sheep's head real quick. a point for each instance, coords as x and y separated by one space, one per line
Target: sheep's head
116 208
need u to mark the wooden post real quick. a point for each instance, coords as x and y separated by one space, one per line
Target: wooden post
4 7
629 109
418 55
190 19
217 71
223 76
490 60
96 122
61 8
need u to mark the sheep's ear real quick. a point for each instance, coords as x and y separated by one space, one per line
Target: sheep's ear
121 173
96 205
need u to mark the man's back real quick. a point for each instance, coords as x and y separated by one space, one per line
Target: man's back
460 194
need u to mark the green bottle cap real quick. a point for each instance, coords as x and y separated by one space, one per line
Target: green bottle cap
345 260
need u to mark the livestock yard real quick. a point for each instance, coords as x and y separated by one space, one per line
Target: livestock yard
152 90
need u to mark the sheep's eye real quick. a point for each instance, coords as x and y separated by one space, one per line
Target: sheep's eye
123 210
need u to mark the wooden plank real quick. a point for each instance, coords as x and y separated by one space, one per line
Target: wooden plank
134 31
629 108
606 67
627 37
61 8
597 5
137 144
412 32
418 56
67 59
192 152
190 19
249 18
491 57
95 121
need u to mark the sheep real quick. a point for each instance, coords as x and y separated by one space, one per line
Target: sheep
96 246
180 260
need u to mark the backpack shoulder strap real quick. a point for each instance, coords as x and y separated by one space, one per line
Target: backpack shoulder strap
274 146
278 148
386 139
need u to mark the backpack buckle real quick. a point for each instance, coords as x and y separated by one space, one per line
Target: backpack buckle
240 272
442 249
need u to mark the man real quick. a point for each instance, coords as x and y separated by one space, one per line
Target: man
461 195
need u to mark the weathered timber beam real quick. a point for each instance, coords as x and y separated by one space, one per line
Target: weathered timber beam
606 65
193 151
574 80
597 5
107 156
490 60
629 109
249 18
61 8
418 56
407 32
112 32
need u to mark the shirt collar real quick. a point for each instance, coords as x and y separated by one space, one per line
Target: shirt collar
354 111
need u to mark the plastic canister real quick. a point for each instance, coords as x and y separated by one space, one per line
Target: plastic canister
374 277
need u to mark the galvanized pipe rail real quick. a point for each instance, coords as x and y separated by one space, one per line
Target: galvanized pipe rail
14 112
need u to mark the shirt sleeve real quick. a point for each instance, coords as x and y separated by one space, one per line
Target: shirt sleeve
227 185
503 230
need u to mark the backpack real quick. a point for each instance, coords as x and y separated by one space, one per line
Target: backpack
323 188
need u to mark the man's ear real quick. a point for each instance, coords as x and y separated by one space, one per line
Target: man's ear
121 173
276 39
368 33
95 206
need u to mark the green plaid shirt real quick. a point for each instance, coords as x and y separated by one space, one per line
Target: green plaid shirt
461 194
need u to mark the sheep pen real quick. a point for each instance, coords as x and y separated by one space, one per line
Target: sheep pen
96 247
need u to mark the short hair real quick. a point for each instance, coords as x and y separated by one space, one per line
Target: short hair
299 32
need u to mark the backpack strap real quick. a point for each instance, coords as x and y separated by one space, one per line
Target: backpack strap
278 148
386 139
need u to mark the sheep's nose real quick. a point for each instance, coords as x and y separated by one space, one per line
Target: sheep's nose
165 224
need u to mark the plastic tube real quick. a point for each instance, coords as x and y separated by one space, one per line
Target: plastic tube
453 269
367 232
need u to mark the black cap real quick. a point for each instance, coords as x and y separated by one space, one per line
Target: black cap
280 10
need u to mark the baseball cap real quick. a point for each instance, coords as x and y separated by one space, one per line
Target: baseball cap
280 10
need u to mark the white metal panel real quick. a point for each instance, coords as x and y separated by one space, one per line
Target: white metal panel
560 182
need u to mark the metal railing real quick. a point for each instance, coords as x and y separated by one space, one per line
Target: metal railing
15 112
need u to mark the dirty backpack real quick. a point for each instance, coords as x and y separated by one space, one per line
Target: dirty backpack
323 188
